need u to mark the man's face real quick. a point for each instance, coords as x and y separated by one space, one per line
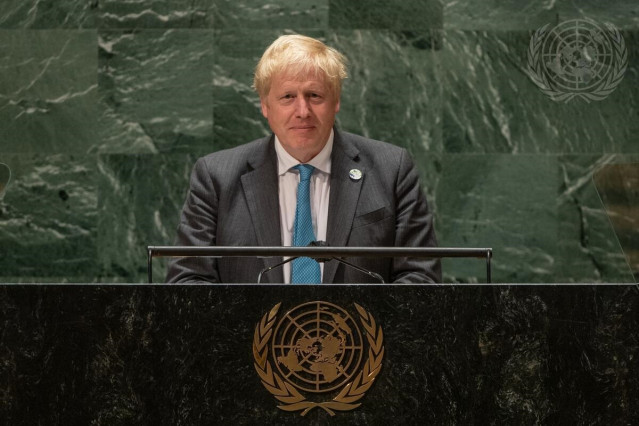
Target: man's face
301 112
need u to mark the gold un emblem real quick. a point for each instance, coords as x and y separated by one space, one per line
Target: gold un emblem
318 349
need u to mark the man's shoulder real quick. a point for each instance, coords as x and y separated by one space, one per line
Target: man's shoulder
372 148
365 143
241 152
231 163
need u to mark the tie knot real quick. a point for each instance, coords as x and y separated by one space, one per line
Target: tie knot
306 170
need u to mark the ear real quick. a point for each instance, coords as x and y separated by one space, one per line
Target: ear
264 104
337 106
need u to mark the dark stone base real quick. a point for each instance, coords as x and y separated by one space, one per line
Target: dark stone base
169 354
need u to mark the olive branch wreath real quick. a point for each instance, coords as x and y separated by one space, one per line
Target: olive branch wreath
293 400
606 87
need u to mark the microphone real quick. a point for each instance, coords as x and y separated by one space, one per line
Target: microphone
349 264
322 259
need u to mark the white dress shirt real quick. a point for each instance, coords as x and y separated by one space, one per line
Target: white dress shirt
320 190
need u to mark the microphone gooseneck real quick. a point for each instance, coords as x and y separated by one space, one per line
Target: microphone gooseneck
322 259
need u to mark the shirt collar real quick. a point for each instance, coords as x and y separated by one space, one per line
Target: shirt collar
321 161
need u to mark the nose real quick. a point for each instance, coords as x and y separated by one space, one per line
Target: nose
301 107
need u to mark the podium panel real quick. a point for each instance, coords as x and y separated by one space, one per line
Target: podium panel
323 354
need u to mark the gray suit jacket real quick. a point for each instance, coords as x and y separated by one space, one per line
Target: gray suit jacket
233 201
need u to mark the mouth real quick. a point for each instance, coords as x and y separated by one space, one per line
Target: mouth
301 128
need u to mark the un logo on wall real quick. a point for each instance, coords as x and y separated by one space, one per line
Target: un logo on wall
577 58
319 357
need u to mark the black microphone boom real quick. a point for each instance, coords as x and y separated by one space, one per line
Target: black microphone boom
323 260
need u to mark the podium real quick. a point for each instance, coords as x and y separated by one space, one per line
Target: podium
444 354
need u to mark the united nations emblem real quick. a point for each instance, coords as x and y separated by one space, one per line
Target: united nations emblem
317 349
577 58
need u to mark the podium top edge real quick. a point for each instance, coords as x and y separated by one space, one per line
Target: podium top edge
203 284
272 251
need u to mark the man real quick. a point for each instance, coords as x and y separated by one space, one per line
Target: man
308 181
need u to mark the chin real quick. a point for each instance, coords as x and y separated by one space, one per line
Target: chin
302 143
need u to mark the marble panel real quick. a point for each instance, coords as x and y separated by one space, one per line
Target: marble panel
499 15
132 14
5 178
618 188
589 248
155 91
236 113
48 14
491 105
392 93
380 14
275 14
48 91
48 218
501 201
139 203
624 14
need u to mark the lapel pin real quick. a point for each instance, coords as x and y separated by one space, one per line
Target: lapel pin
355 174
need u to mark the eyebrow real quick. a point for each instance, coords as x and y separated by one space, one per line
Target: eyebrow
311 88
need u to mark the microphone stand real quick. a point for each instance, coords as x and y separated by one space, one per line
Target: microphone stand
264 271
323 260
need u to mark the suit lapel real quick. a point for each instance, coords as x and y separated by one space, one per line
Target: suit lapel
261 190
343 199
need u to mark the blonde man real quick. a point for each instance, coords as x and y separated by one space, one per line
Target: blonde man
307 181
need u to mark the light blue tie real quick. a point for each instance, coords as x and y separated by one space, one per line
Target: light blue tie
305 270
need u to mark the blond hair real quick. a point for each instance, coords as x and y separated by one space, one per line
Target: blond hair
298 55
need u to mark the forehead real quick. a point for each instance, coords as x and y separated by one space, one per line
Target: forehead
290 80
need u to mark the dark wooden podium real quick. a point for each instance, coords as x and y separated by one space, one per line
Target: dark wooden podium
189 354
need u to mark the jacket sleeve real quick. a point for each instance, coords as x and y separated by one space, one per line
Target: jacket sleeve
197 227
414 227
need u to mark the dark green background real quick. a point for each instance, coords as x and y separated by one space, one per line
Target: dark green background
105 105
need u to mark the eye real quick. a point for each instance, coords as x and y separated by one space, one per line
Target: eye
286 99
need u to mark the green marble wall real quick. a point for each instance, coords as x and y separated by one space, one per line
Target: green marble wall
106 104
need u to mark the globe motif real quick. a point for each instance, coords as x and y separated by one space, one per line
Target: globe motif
577 55
317 347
